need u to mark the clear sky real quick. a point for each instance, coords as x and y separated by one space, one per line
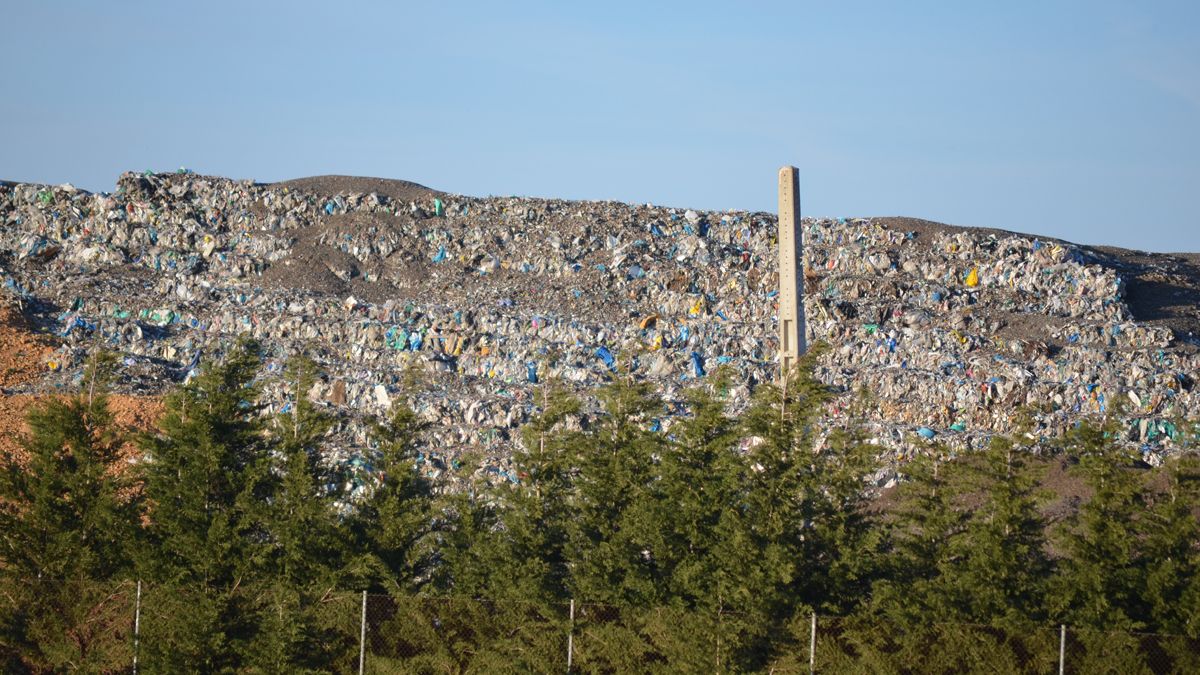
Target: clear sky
1072 119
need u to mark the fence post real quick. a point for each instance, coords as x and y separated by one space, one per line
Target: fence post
137 624
362 637
571 637
1062 648
812 646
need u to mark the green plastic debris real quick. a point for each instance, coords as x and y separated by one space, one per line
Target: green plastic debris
159 317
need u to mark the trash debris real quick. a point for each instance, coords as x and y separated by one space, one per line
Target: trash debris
953 332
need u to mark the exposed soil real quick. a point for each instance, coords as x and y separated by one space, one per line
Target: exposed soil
1161 289
132 413
23 354
23 357
328 186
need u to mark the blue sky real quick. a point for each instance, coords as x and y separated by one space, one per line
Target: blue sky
1073 119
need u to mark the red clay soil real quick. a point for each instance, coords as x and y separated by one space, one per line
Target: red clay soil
132 413
23 357
22 353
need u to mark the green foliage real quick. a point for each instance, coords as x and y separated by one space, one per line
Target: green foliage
726 525
393 523
969 542
1171 549
868 644
207 477
463 635
512 543
925 522
700 481
1000 564
1101 579
612 533
697 542
803 538
68 523
309 556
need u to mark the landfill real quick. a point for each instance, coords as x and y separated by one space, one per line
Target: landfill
953 334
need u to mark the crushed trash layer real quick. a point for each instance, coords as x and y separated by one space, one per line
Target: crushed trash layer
950 331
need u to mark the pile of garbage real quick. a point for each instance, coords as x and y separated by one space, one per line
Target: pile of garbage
954 334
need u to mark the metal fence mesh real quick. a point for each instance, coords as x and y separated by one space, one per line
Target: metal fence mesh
452 635
127 626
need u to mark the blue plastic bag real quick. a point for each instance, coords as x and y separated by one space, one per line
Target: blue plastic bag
607 357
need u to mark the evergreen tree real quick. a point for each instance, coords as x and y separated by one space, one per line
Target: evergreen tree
393 522
510 543
1100 584
68 523
999 565
844 545
611 539
926 520
1171 541
698 490
780 493
801 535
306 535
697 497
969 542
208 479
309 559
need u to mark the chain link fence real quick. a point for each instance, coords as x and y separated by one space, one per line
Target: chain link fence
142 628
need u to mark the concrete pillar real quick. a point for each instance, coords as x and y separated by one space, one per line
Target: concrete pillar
791 272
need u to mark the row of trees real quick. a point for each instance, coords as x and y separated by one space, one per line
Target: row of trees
737 528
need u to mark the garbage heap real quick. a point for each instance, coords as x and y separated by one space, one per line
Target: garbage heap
937 338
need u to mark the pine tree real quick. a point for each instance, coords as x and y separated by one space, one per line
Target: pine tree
697 494
927 519
309 558
1100 584
305 529
999 562
969 542
699 486
208 480
510 543
779 493
1171 536
612 536
393 523
68 523
800 535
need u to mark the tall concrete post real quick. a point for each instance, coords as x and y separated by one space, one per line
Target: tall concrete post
791 272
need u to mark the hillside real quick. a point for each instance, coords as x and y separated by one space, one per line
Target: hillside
950 330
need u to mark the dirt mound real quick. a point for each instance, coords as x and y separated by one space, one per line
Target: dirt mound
328 186
23 356
1161 289
925 229
132 413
